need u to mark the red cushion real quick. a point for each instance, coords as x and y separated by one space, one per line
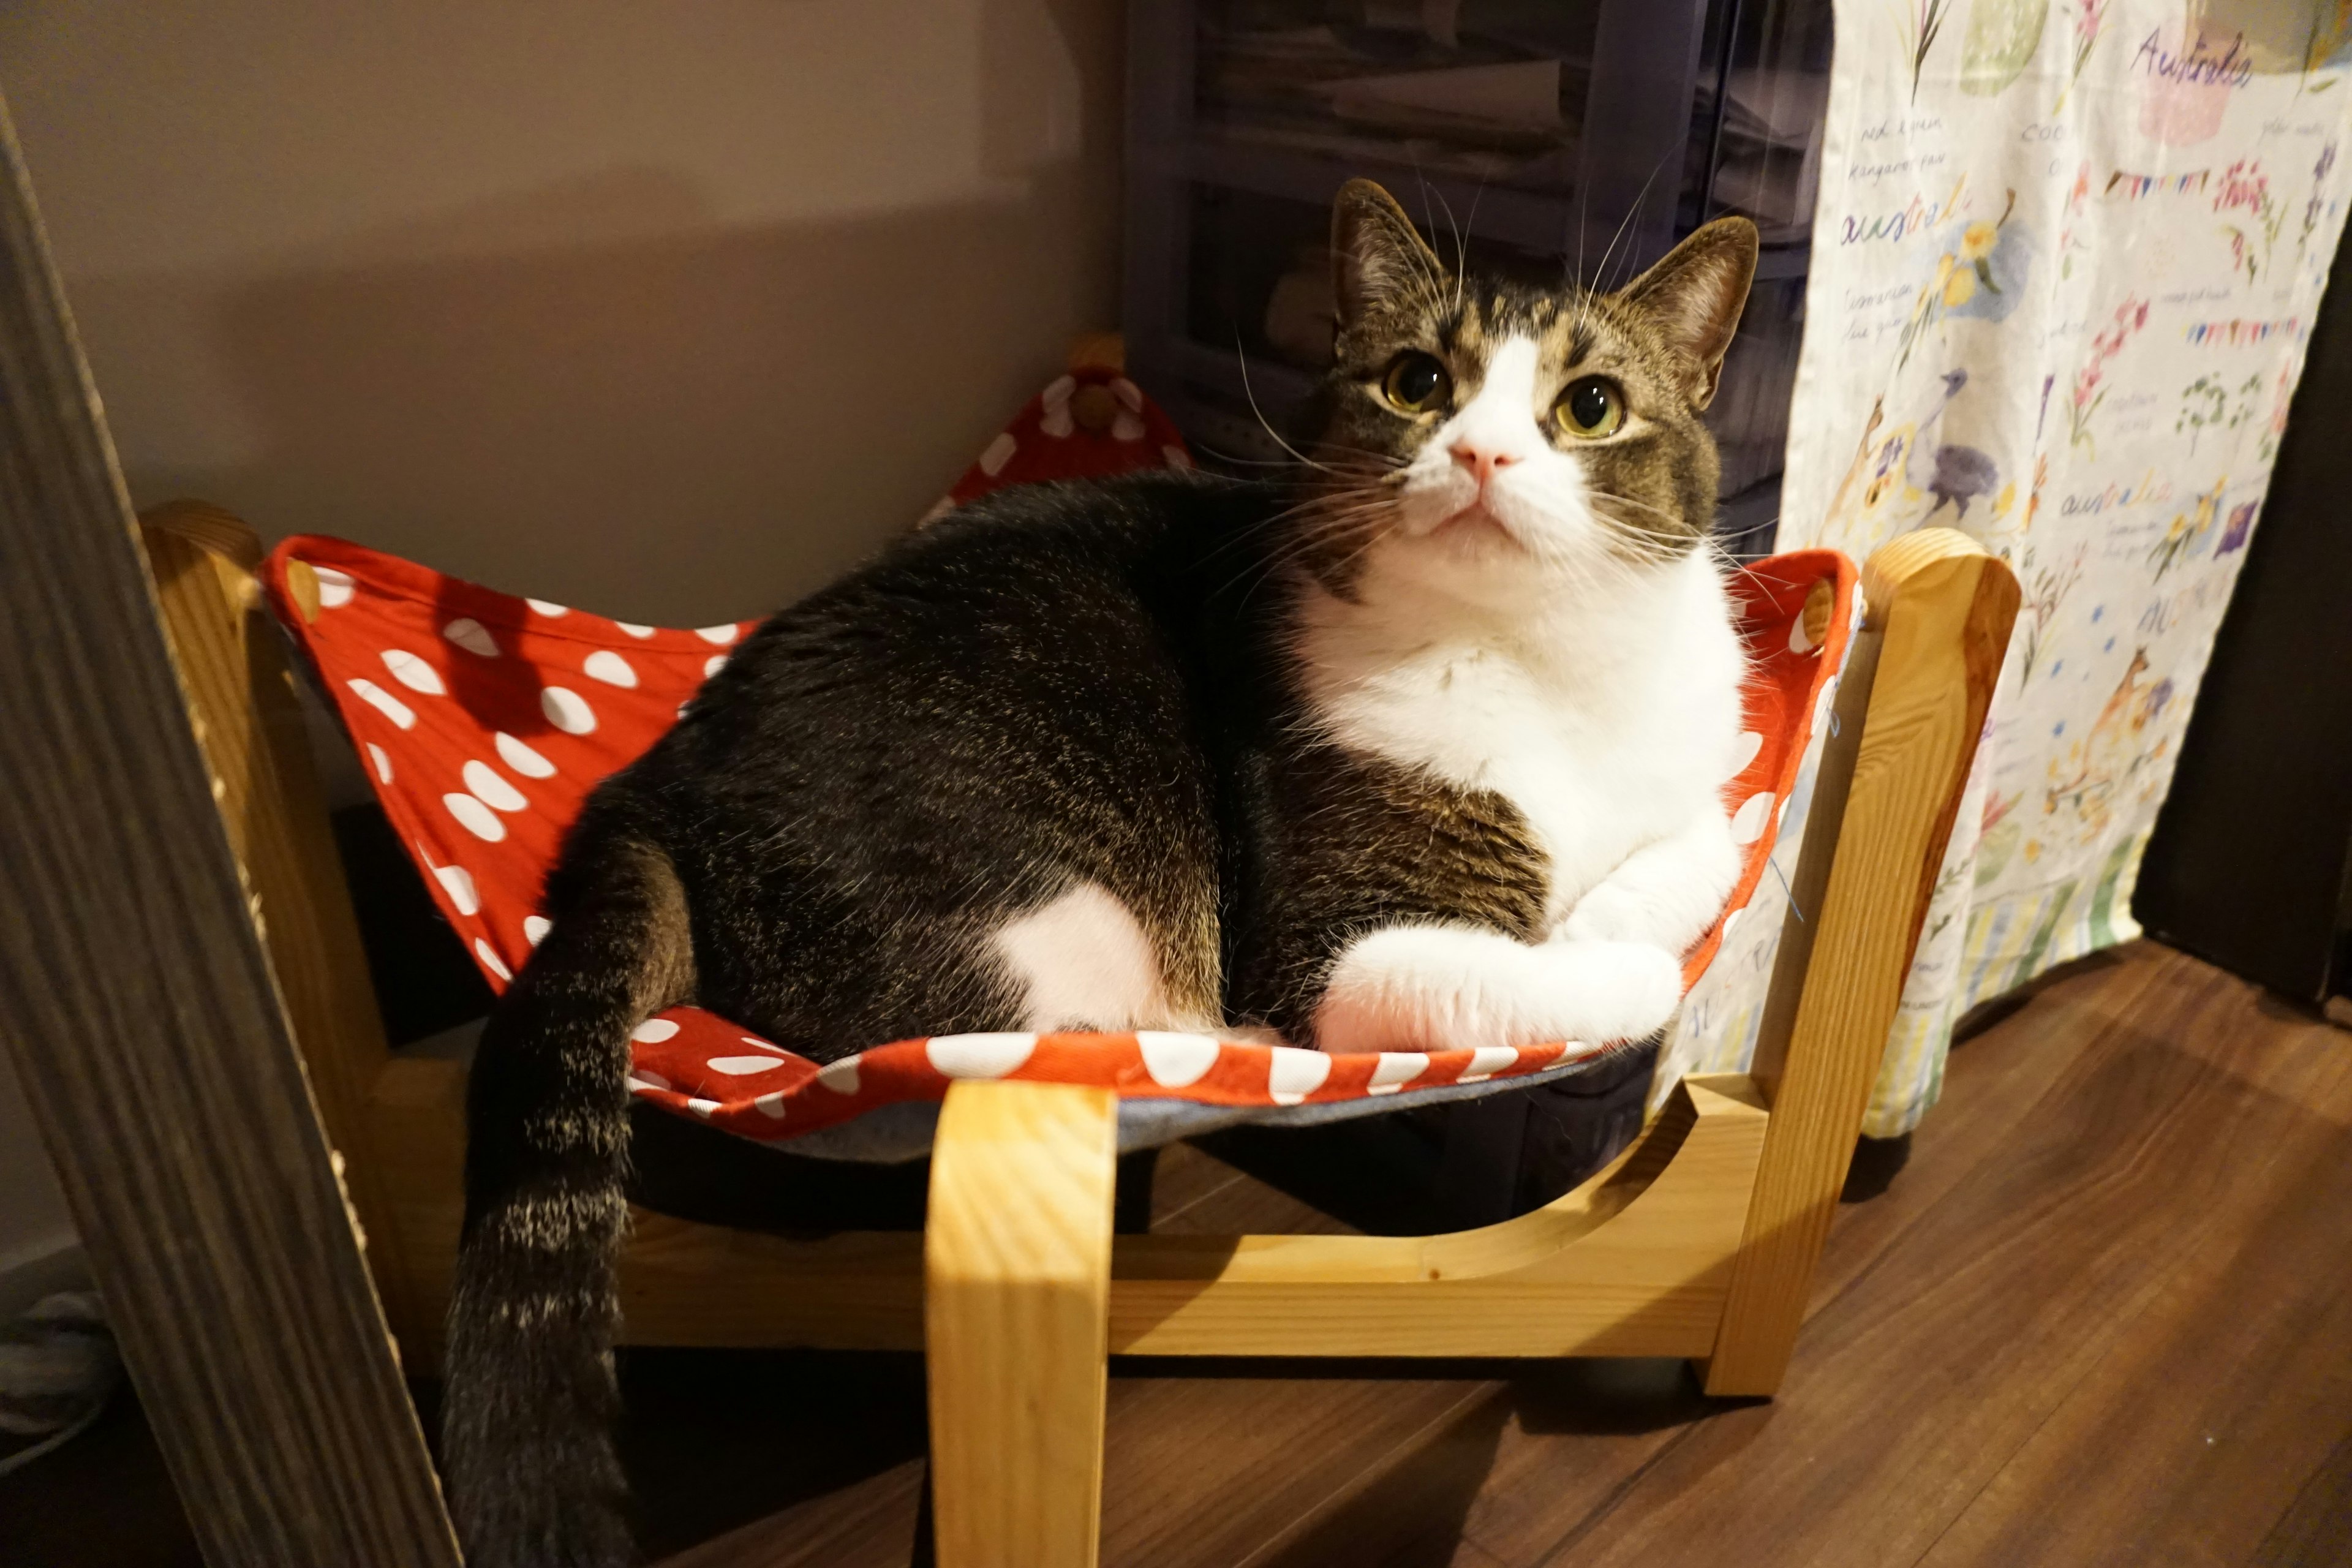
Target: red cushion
485 719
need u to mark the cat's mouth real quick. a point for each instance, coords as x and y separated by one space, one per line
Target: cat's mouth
1475 528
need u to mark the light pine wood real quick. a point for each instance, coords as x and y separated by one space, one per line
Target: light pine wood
1016 1268
1943 608
1634 1262
137 1001
242 704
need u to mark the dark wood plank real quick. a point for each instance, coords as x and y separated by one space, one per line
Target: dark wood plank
1219 1471
2316 1530
1930 1374
145 1025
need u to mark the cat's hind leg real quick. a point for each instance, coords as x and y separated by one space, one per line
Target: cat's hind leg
1425 987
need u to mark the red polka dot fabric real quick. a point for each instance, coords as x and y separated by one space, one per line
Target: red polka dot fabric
1046 440
484 718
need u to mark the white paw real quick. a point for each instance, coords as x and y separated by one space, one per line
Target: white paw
1447 988
1624 990
1609 914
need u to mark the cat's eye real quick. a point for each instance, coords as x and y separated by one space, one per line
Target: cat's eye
1416 383
1591 408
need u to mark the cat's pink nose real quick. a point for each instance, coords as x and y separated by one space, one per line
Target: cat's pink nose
1482 459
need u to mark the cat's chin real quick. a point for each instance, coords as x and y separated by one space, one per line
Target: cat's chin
1475 531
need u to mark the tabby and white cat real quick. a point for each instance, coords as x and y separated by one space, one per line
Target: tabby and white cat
1421 746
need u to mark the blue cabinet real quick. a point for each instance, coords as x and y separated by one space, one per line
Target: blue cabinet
1584 135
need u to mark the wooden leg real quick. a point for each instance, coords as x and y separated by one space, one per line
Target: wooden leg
1016 1303
1943 608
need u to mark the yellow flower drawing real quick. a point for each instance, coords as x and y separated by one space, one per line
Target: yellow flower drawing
1976 240
1959 289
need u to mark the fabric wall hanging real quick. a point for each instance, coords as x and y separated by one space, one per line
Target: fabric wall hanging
2065 261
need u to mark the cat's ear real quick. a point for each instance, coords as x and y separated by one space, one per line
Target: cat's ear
1376 253
1696 293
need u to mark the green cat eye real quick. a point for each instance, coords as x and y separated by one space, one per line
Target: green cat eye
1591 408
1415 383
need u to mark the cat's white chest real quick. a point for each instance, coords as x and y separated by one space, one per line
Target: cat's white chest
1605 738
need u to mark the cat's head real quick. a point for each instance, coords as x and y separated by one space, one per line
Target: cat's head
1494 437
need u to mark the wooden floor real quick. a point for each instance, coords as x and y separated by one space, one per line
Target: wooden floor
2101 1316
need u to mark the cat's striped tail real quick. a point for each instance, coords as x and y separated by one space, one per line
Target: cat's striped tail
534 1481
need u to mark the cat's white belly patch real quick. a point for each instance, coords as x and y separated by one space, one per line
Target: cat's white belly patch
1083 962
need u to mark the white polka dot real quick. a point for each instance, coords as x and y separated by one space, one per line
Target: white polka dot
639 1083
654 1031
770 1105
414 673
459 885
1058 390
723 635
756 1043
383 763
840 1077
1176 457
610 667
1176 1061
1486 1061
334 587
567 709
535 928
383 702
742 1066
1798 641
713 664
1730 919
1056 422
684 707
475 817
1749 822
490 961
1751 742
702 1107
521 758
545 608
939 508
1292 1075
472 635
1396 1069
1126 427
1127 392
635 630
978 1056
999 453
491 788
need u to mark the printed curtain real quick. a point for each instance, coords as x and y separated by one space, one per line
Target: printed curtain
2065 262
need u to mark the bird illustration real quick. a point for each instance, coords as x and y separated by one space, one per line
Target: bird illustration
1955 474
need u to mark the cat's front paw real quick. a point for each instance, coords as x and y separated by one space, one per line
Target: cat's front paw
1623 990
1616 914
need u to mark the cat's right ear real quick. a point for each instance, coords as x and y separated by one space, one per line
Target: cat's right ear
1376 256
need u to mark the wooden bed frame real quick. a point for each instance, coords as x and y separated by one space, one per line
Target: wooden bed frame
269 1196
1699 1241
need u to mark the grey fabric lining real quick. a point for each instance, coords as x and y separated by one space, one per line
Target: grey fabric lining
890 1134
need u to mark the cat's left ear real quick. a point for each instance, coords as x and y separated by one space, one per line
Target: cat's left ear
1696 293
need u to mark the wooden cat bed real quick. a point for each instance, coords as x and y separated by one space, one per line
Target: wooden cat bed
1699 1241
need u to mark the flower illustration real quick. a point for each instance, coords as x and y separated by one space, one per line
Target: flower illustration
2246 188
2088 16
2090 390
1976 240
1959 290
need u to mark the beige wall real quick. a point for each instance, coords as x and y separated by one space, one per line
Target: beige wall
664 310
